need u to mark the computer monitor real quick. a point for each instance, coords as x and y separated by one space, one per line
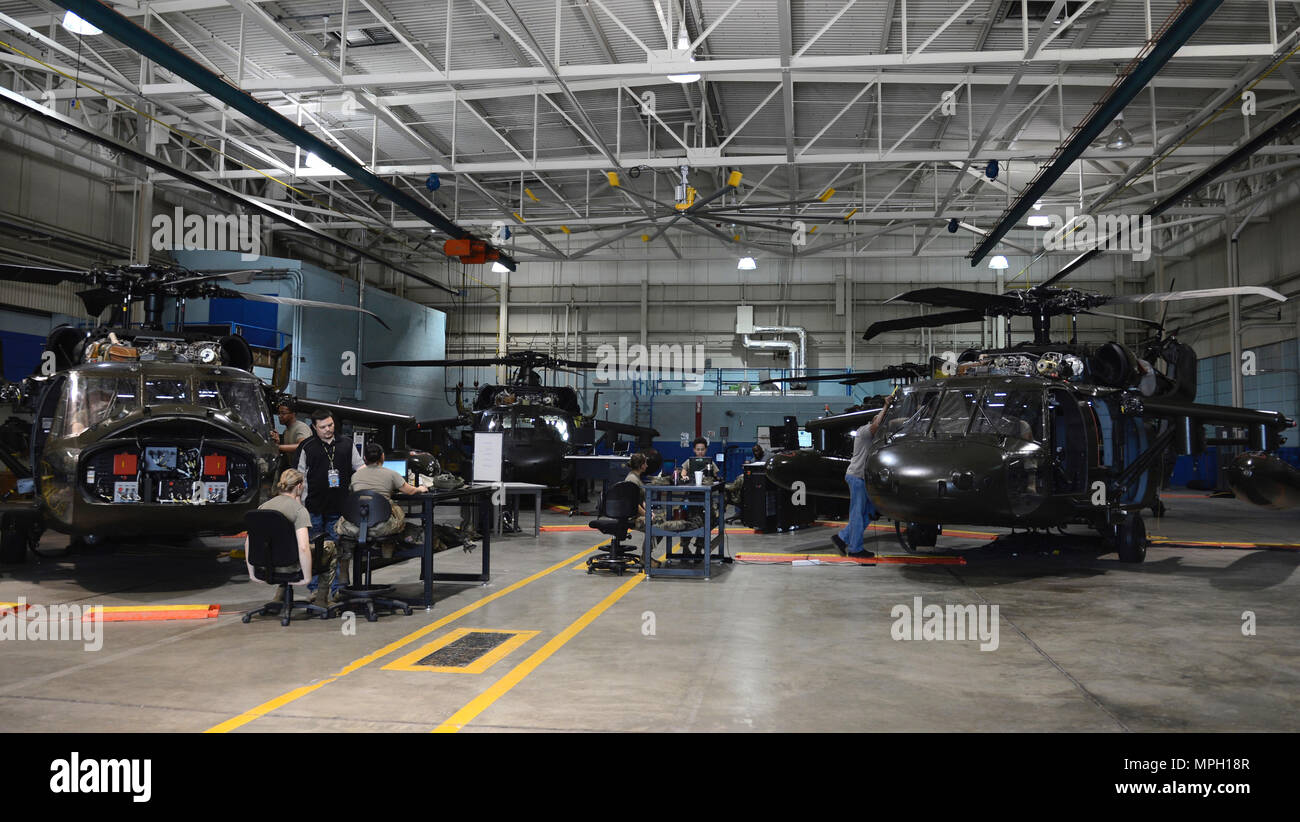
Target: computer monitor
396 465
805 438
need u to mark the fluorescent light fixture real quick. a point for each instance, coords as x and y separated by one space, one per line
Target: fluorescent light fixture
76 25
498 268
1038 206
1039 220
684 78
312 161
998 263
746 264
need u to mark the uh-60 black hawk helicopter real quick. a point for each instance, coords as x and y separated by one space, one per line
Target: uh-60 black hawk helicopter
542 424
128 432
1037 435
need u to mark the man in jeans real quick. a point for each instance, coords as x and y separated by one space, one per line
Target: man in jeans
849 540
327 462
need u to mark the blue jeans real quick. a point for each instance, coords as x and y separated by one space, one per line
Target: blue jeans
328 522
859 511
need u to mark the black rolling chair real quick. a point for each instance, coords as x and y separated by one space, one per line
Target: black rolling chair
615 517
366 509
272 545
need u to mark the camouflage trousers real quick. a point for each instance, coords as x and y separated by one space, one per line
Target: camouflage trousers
324 563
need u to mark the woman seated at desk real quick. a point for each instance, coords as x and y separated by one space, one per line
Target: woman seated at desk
375 477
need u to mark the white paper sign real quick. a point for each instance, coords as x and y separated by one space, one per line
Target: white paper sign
487 457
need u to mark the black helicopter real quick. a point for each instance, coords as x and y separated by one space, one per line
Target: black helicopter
1037 435
129 432
542 424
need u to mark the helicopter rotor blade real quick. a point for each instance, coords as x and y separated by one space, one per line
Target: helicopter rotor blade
431 363
40 275
956 298
1198 294
817 378
926 321
263 298
1143 320
903 371
238 276
1164 309
572 366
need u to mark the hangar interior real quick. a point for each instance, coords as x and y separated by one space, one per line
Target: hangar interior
747 182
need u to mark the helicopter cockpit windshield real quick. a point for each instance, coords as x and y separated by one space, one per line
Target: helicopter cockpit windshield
524 422
241 397
91 399
956 412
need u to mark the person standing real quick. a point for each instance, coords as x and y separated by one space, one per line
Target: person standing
295 431
849 540
327 461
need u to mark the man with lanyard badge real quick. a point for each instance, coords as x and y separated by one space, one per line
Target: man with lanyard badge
327 462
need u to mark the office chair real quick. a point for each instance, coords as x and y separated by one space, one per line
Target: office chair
366 509
615 517
273 544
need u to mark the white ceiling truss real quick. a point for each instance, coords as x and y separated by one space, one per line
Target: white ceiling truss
523 106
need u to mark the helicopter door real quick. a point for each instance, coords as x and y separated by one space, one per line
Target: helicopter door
1069 441
46 408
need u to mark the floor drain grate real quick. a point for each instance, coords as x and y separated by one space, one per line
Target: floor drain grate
465 651
462 651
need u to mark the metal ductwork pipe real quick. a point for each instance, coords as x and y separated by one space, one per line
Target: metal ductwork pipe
798 351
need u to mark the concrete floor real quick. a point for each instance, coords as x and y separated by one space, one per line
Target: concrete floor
1085 643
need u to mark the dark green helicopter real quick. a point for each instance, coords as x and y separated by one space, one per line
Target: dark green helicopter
542 424
128 432
1038 435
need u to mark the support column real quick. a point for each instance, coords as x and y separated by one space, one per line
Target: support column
848 314
503 322
1234 302
645 312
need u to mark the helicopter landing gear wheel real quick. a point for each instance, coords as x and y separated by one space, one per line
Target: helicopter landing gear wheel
914 535
902 538
1130 538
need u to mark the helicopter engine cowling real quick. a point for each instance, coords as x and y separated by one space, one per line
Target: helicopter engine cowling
1114 365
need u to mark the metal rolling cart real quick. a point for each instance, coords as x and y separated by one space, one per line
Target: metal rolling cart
711 501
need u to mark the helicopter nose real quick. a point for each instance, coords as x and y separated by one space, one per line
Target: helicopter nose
934 482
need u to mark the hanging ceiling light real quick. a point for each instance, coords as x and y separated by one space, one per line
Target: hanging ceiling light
684 44
998 263
76 25
746 264
1119 138
312 161
1039 220
498 268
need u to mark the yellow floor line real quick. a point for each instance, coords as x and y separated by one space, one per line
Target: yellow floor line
502 686
284 699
